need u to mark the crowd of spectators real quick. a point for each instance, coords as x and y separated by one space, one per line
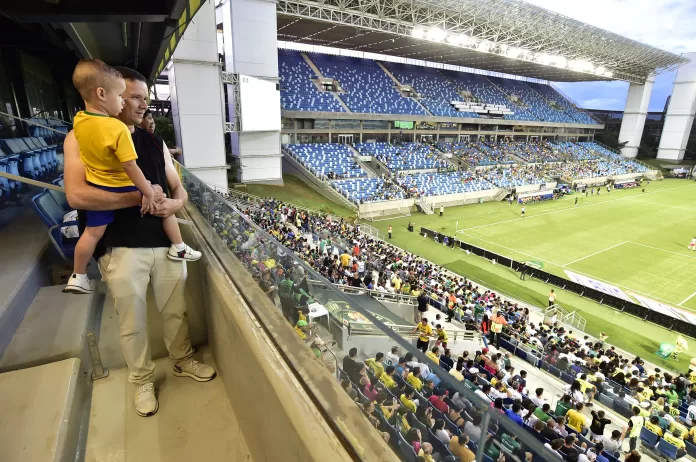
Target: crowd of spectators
476 153
399 393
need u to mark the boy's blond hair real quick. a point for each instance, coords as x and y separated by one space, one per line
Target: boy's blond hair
90 74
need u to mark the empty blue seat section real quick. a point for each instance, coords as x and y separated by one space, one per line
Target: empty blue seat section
325 158
435 184
533 100
362 190
367 87
485 91
297 91
552 95
437 91
408 156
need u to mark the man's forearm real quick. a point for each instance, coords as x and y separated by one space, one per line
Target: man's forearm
86 197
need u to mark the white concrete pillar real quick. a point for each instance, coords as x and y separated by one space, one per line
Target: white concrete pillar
251 48
634 116
197 99
680 113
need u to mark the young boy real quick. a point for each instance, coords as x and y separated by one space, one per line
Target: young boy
692 246
107 150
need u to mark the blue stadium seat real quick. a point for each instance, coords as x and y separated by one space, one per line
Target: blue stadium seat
52 215
667 450
606 400
406 449
297 91
649 438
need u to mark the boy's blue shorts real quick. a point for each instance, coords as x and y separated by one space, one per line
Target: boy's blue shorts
104 217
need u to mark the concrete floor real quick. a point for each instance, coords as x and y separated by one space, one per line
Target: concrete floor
195 421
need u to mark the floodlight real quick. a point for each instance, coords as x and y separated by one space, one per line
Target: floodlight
417 32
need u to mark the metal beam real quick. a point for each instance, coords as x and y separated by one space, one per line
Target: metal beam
41 11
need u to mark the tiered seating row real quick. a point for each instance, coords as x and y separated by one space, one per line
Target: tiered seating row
408 156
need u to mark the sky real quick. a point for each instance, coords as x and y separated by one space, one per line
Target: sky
665 24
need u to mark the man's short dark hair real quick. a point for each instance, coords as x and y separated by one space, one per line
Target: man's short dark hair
352 352
130 74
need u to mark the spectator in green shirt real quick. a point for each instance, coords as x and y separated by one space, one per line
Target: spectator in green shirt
563 405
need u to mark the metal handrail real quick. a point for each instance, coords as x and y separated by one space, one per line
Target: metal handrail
40 184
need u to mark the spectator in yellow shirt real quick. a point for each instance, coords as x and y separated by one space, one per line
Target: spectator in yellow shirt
576 420
387 377
654 425
424 333
675 438
376 365
406 399
434 355
413 380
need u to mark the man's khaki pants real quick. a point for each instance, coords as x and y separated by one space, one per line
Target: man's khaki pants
127 272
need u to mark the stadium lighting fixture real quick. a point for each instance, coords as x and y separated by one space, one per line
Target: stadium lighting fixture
544 58
484 45
600 70
417 32
559 61
436 35
581 65
608 74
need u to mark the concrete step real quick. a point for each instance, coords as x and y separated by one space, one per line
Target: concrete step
24 241
195 421
54 328
364 165
40 412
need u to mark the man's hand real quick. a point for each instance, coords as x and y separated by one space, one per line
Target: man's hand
159 194
167 207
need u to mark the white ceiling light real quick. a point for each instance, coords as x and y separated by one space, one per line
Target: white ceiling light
608 74
544 58
559 61
600 70
436 35
581 65
417 32
484 45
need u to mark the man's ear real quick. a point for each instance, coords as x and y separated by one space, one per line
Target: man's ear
101 93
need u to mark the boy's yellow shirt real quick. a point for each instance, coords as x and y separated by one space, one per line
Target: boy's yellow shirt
105 143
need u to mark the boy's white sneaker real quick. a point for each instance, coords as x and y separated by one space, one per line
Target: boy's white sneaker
186 254
78 284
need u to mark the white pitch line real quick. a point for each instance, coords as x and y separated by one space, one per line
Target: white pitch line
556 264
687 299
662 250
593 254
570 208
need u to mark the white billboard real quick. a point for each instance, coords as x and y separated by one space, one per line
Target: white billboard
598 285
666 309
260 104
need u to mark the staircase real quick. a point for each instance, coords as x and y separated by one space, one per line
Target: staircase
364 165
425 206
396 81
319 75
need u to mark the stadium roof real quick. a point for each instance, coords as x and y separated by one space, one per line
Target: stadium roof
508 36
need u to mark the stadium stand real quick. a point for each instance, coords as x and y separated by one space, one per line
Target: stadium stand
613 156
363 190
486 92
576 151
588 371
548 92
476 153
326 160
535 103
513 176
436 184
408 156
436 91
297 91
367 87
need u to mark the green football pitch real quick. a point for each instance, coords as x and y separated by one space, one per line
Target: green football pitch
634 240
